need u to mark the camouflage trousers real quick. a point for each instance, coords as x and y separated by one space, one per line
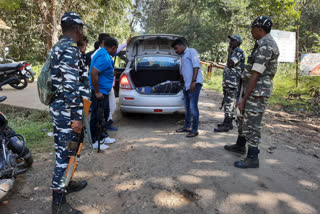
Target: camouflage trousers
230 99
249 123
62 136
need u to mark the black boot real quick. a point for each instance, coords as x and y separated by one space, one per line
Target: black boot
226 126
239 147
251 161
60 205
221 124
75 186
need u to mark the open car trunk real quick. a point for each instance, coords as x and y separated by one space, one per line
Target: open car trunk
156 82
156 75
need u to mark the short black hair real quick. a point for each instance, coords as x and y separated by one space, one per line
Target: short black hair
96 45
102 37
177 42
69 27
110 42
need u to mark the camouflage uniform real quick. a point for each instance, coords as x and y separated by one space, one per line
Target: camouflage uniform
264 60
67 106
231 81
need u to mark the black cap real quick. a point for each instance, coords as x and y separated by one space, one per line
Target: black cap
261 21
236 37
71 19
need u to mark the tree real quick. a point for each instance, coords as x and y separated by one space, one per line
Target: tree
35 24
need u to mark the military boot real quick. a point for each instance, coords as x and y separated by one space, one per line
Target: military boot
60 205
226 126
251 161
75 186
221 124
239 147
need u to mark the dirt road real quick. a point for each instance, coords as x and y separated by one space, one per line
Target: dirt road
151 169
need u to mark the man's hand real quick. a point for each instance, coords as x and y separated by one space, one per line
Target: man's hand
77 126
240 104
193 86
99 96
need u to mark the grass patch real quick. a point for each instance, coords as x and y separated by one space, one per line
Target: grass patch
32 125
284 84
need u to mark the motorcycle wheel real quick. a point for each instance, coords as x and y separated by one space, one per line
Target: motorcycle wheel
21 83
31 77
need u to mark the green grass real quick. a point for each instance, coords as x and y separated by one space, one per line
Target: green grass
284 83
32 125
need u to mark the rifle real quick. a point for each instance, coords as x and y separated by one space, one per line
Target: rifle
76 146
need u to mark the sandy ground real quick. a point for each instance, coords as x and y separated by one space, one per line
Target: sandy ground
151 169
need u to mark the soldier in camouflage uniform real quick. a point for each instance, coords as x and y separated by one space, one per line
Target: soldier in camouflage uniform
231 81
257 84
66 109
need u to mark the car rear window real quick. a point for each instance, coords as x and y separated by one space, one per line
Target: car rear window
161 62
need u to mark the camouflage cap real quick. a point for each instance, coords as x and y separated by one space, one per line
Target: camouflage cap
71 19
236 37
261 21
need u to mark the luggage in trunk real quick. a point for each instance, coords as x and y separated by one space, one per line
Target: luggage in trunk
156 82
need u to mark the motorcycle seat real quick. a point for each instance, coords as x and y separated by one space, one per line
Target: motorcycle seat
4 67
3 98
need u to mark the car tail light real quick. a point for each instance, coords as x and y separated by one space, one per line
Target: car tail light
129 98
157 110
124 82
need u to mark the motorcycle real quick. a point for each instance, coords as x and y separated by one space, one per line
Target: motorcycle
13 74
6 70
30 73
15 157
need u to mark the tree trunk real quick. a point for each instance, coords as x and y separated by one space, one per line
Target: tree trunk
51 13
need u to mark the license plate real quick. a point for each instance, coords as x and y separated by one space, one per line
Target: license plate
23 72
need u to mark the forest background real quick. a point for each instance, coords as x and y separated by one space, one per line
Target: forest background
205 24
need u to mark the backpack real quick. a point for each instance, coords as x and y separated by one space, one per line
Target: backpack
45 91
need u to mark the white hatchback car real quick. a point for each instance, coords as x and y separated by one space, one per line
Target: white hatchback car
150 82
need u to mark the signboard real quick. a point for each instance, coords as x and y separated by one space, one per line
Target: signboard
310 64
286 42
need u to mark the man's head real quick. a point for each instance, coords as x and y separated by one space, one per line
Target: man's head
179 46
111 44
235 41
260 27
82 44
72 26
101 38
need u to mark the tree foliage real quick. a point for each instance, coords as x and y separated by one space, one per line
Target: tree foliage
206 23
35 24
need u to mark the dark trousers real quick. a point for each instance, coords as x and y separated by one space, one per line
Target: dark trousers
94 114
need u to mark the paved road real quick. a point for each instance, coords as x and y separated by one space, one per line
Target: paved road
27 98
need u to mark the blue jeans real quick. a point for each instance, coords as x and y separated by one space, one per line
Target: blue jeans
191 107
